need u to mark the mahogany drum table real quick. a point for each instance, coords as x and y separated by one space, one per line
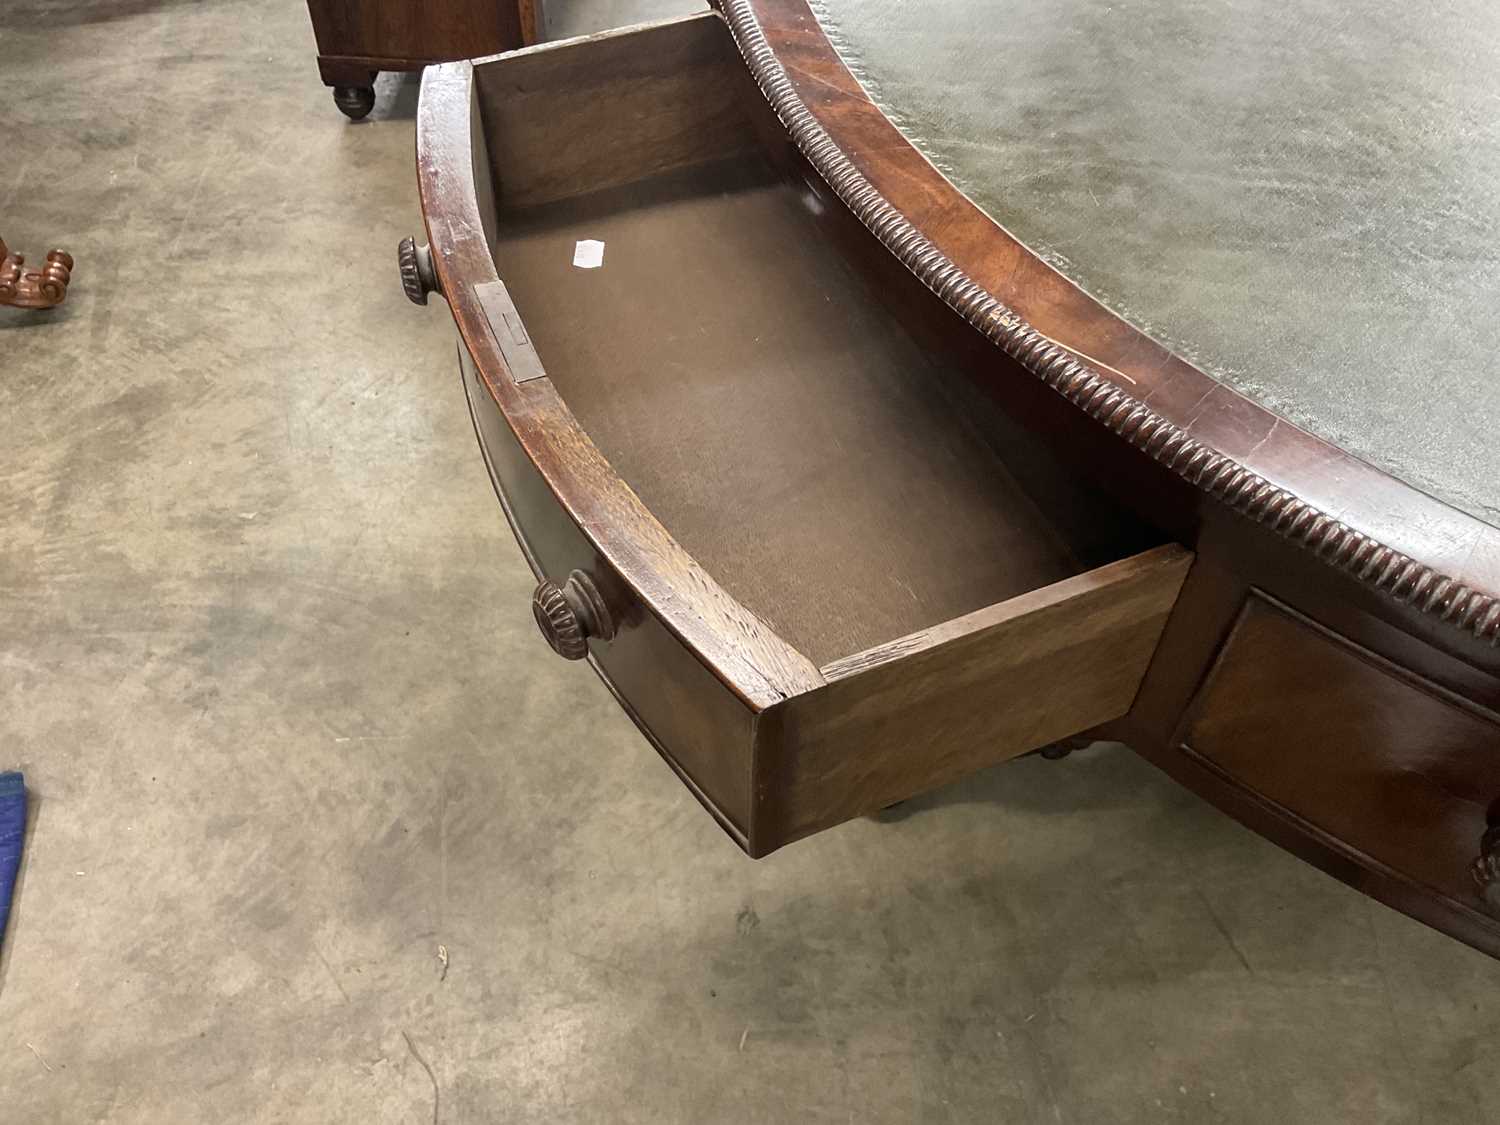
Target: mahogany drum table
881 391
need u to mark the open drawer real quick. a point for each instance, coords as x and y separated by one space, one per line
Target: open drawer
817 576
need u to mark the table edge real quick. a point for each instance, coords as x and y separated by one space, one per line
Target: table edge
1354 516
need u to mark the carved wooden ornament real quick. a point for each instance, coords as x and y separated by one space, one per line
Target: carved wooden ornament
34 289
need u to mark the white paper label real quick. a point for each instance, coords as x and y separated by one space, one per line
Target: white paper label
588 254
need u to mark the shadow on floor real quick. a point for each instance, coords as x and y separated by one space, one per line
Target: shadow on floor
1092 779
30 14
398 95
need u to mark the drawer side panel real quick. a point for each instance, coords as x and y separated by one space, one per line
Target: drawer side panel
611 109
695 722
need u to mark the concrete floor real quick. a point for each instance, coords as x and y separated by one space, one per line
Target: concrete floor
267 660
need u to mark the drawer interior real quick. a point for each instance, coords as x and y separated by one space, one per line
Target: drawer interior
744 378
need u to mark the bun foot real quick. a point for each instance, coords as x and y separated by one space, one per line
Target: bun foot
1064 747
354 101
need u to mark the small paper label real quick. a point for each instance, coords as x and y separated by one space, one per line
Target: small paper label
588 254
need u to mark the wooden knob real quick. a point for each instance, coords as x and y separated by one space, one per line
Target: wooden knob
417 276
34 289
570 614
1486 868
52 284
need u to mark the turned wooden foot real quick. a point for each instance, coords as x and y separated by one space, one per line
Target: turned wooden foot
34 289
1063 747
355 101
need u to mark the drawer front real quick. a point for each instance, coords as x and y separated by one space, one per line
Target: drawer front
934 707
698 724
1387 769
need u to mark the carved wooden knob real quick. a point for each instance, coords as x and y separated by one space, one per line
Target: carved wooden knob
34 289
417 276
1486 868
570 614
53 282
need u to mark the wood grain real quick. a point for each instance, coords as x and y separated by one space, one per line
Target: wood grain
696 721
596 112
930 708
1393 771
533 24
727 639
407 34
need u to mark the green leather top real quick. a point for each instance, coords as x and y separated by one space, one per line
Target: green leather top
1302 197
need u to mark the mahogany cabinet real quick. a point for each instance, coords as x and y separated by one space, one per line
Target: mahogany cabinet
359 38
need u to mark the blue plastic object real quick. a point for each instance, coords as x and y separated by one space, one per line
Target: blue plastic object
12 830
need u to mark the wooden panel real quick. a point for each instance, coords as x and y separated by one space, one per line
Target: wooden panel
414 31
746 656
697 723
1385 767
533 21
597 112
930 708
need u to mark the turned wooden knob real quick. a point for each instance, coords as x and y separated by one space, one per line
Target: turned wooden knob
568 615
417 276
1486 868
34 289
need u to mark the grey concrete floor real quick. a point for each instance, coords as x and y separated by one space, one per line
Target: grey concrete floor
267 660
582 17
